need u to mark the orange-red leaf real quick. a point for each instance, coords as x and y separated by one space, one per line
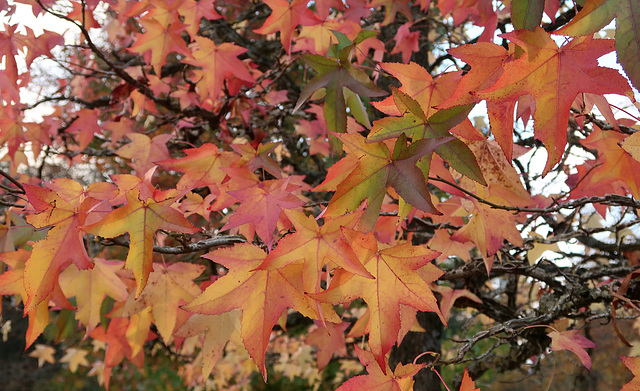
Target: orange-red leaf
329 340
316 246
571 340
263 204
633 363
63 244
261 294
285 17
218 62
548 73
467 383
141 219
394 269
380 377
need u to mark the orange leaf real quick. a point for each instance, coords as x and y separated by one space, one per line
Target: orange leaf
394 269
90 287
218 330
488 228
548 73
217 63
261 294
380 377
63 244
467 383
316 246
329 340
285 17
574 342
633 363
263 204
141 219
158 41
202 166
168 287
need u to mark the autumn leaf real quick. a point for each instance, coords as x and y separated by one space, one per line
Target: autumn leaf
168 287
63 244
526 14
285 17
427 91
449 297
615 164
547 72
193 11
571 340
316 246
218 329
258 158
415 125
335 75
394 269
377 170
406 42
329 340
633 363
392 7
141 219
117 346
44 354
201 166
467 383
75 358
145 151
486 60
90 287
217 63
488 228
158 40
12 283
596 14
261 294
380 377
262 205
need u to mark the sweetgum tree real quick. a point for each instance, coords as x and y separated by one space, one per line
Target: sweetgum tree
404 191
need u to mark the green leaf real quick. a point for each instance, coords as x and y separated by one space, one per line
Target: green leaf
414 124
335 76
526 14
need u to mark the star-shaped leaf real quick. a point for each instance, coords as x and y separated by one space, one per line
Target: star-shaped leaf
201 167
218 62
415 124
379 376
285 17
596 14
261 294
63 244
168 288
141 219
158 41
316 246
335 75
548 73
571 340
90 287
377 170
394 269
262 205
